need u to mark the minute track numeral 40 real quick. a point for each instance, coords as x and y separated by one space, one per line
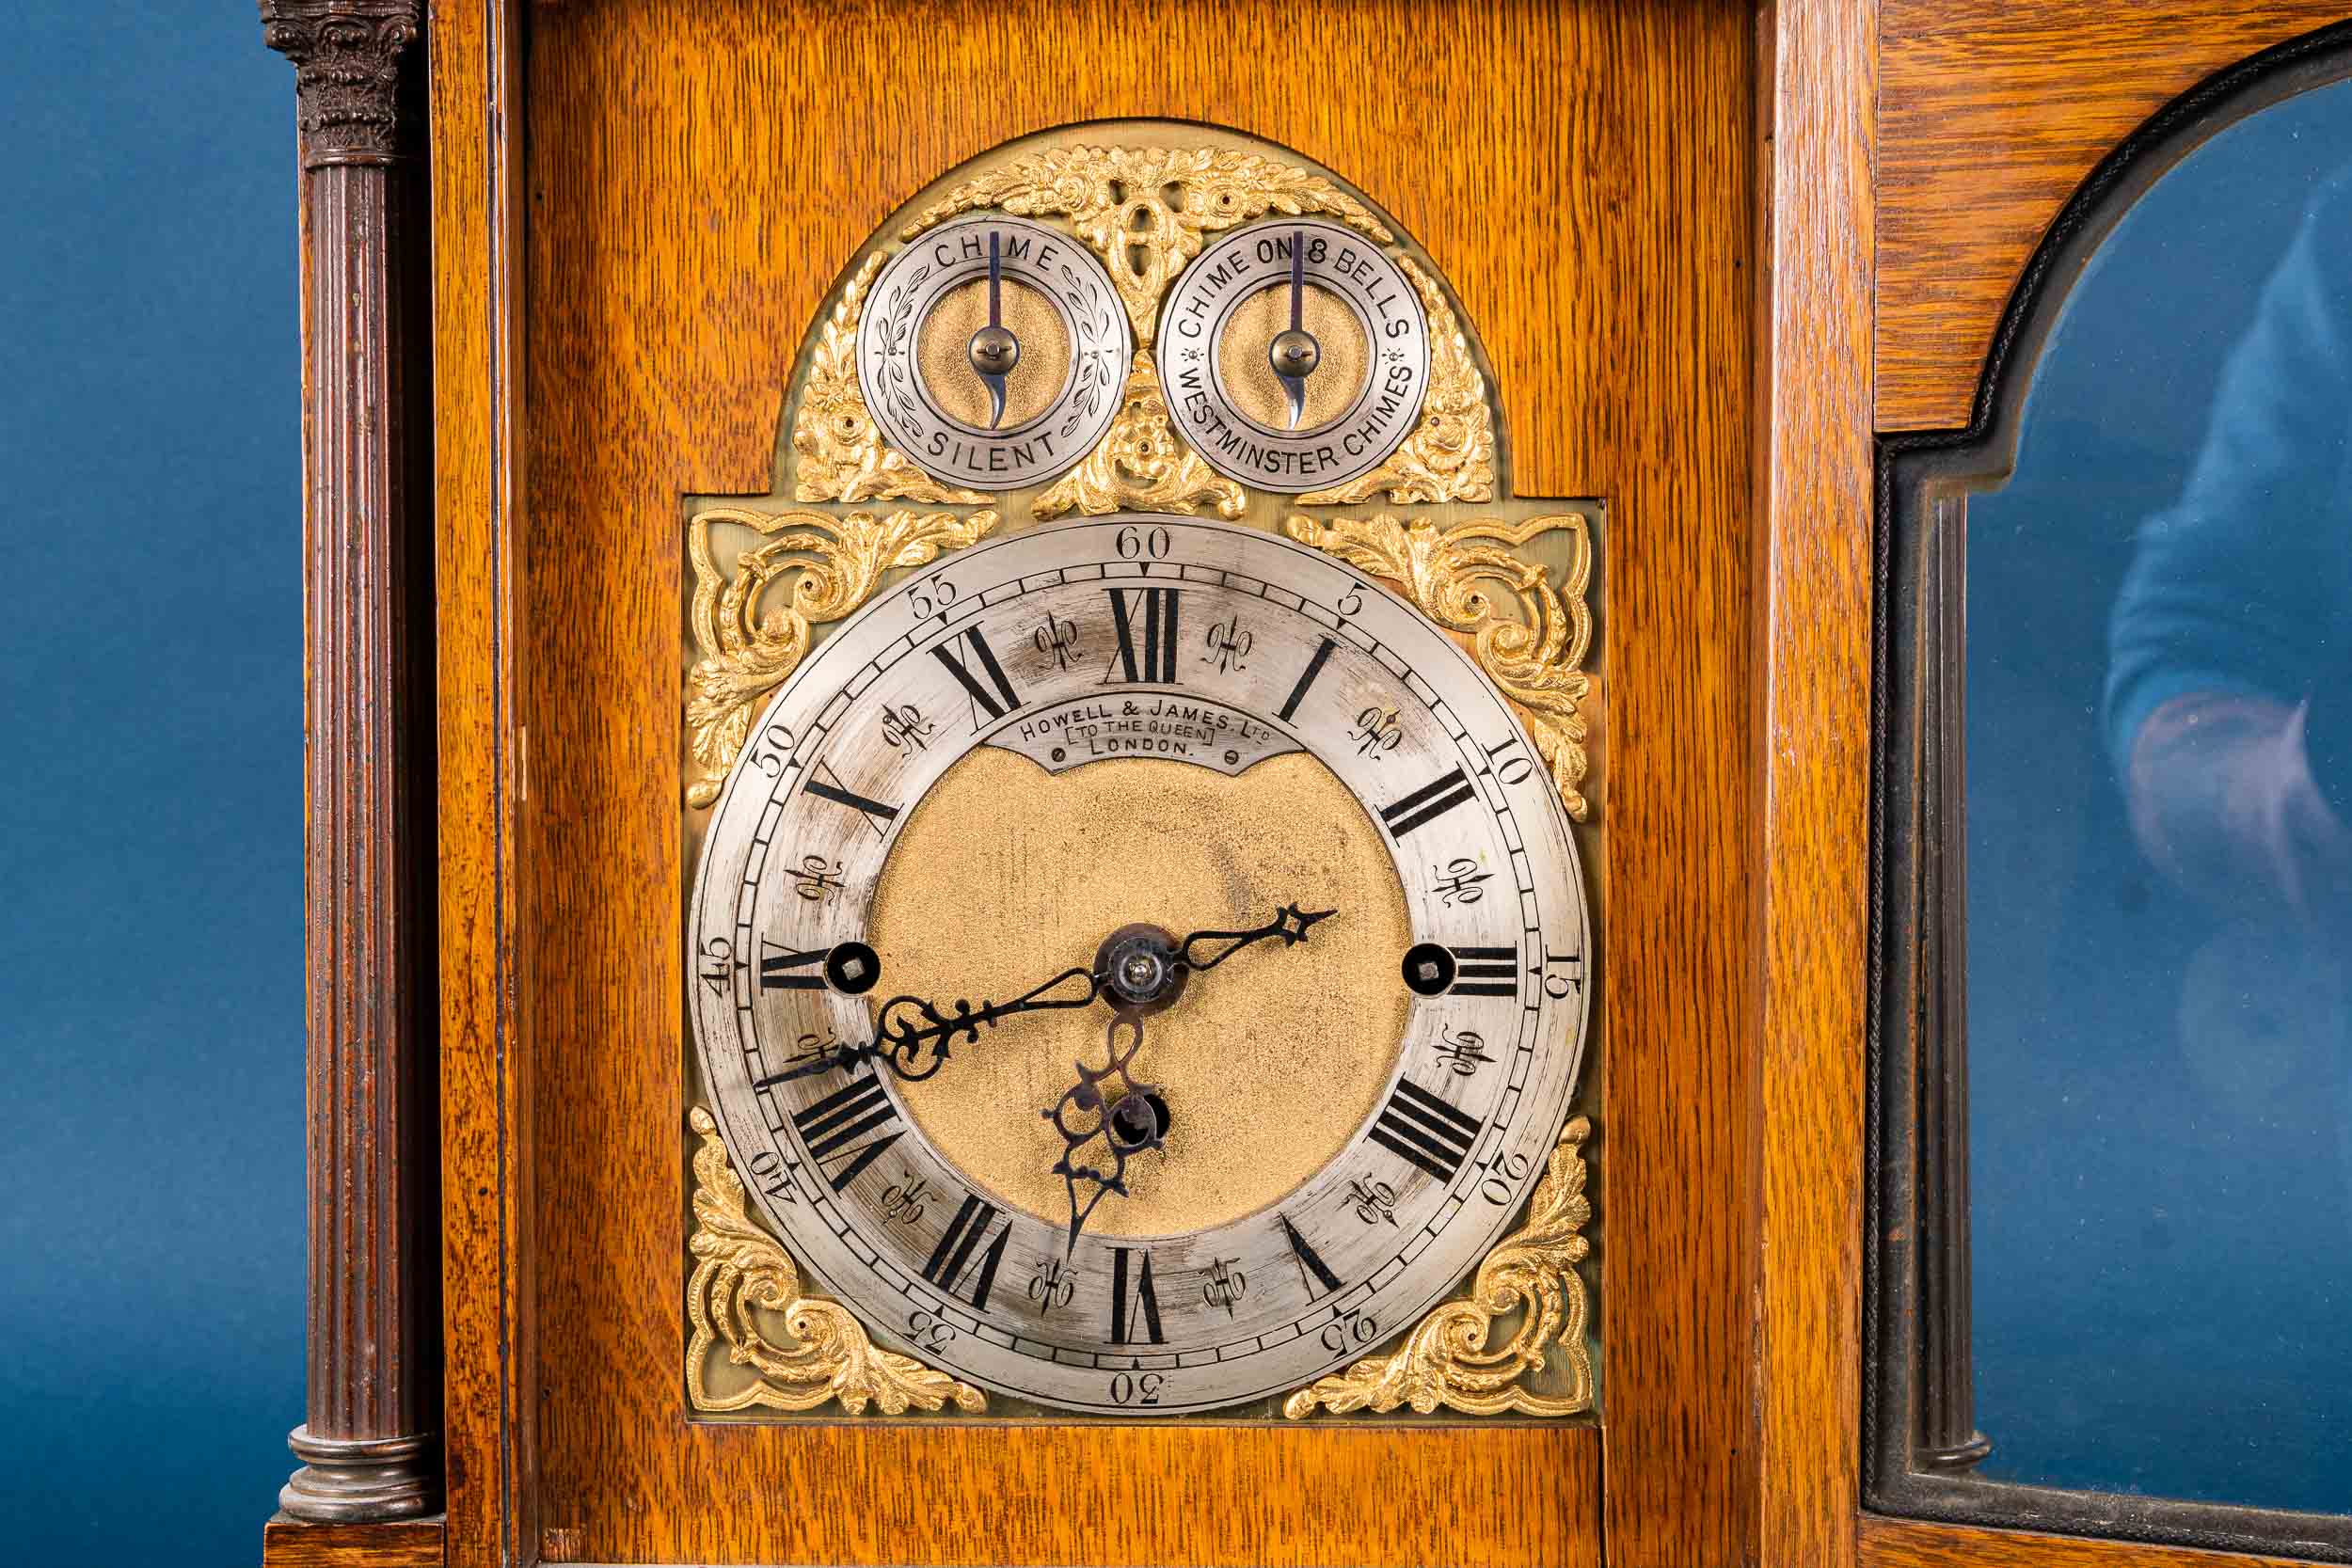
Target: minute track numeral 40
1145 618
1424 1130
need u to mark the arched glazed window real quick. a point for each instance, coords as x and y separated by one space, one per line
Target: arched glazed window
2111 1220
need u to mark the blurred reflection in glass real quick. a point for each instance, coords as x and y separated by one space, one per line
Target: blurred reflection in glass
2159 856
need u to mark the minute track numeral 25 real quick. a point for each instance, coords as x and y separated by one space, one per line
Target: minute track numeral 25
1145 618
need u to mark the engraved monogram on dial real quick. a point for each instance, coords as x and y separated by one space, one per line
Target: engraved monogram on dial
1294 355
992 352
1138 966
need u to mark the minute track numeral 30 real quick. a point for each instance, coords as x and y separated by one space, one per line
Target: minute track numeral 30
1145 618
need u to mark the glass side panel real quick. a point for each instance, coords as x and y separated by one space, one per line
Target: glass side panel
2159 744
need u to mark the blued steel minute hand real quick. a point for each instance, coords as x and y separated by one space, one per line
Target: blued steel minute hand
908 1024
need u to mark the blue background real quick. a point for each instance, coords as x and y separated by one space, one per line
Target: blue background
150 688
2163 1191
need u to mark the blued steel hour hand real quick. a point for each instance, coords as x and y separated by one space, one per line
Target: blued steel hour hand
1294 354
993 350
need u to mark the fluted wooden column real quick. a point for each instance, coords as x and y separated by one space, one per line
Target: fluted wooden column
367 1445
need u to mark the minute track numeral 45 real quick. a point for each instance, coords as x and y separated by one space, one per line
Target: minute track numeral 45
1145 618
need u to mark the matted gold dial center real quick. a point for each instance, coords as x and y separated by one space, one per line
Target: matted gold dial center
1034 365
1268 1064
1245 356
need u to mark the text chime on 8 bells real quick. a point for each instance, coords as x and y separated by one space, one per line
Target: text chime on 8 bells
1139 953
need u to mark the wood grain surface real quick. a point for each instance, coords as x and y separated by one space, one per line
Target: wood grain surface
1813 626
697 176
1917 1543
401 1544
489 1379
1989 115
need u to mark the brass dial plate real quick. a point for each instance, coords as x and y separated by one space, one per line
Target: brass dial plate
1474 1084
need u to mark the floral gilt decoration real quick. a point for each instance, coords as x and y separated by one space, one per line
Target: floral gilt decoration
748 646
1446 1359
742 1278
1531 638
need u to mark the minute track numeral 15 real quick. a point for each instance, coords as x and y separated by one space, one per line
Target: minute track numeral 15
1422 1129
1145 618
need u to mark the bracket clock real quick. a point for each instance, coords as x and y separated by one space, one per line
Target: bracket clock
1086 787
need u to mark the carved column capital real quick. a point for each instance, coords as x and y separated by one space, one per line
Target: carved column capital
346 57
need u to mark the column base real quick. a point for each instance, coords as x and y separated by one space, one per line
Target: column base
1955 1459
350 1480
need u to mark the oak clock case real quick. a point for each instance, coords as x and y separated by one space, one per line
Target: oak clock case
1139 961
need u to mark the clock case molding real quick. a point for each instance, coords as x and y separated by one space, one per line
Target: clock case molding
1770 273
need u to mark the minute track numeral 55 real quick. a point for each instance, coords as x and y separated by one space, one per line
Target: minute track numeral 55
1145 618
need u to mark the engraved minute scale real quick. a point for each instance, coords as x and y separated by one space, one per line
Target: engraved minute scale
1294 354
993 350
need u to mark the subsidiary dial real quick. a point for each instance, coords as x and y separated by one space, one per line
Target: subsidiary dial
1294 355
992 352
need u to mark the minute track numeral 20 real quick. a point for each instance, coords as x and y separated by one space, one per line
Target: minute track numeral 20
1427 803
996 697
1145 618
951 1264
1134 1305
831 1127
1424 1130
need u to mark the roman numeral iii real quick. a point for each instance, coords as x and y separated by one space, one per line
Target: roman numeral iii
1424 1130
1146 622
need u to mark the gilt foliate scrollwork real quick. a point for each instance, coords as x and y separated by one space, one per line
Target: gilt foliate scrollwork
1141 465
1446 1359
1118 200
839 453
741 1277
1450 454
1530 639
750 645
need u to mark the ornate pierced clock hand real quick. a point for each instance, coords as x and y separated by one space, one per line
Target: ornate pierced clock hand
1129 1117
995 351
1294 352
908 1024
1290 922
